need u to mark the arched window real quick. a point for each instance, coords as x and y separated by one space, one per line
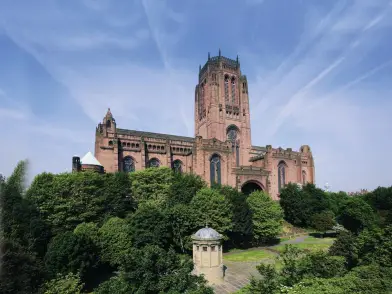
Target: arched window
215 169
154 162
281 175
128 164
177 166
227 89
233 100
108 124
232 132
303 177
232 136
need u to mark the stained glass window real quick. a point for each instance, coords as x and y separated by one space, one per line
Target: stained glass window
281 175
232 135
128 164
153 163
304 177
215 169
177 166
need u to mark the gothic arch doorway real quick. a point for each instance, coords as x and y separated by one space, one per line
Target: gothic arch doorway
251 186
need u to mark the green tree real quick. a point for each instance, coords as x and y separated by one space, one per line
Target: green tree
364 280
320 264
336 201
316 198
241 233
116 284
149 225
299 205
156 270
64 284
72 253
88 230
183 225
293 202
209 206
23 237
114 240
375 246
345 245
380 198
323 221
21 222
21 271
357 215
68 199
184 187
267 217
116 193
269 282
152 184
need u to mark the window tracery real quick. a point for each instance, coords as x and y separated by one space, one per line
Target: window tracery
232 136
153 163
177 166
215 169
233 100
281 175
128 164
227 89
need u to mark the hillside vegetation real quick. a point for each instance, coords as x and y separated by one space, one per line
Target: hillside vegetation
130 233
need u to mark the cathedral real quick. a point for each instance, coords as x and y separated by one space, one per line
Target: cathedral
220 152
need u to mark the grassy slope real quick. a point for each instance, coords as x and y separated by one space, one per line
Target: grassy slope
266 254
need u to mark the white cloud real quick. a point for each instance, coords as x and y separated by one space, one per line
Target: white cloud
299 98
318 94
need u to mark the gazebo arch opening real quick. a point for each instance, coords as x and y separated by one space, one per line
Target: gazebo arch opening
251 186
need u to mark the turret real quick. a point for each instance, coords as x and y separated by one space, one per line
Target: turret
75 164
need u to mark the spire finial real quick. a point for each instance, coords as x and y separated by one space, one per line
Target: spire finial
237 59
108 113
220 53
209 56
199 68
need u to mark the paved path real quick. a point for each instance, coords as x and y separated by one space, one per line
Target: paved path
238 274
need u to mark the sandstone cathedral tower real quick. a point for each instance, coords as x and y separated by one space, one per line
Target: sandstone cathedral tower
221 151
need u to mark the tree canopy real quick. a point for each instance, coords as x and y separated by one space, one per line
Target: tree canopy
131 233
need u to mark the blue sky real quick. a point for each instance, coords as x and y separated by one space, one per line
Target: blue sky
319 72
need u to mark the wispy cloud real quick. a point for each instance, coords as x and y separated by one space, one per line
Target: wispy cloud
318 74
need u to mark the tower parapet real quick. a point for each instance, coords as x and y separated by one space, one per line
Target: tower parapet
219 62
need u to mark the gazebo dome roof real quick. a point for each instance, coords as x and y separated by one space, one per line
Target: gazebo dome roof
207 234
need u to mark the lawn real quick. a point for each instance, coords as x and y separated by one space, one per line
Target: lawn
260 254
250 255
310 243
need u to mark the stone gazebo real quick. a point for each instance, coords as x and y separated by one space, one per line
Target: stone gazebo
207 255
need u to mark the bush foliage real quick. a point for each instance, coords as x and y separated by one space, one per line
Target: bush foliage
131 233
